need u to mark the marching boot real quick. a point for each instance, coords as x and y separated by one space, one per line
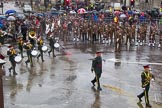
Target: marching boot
140 100
14 73
148 105
99 88
38 57
48 53
9 71
93 83
26 63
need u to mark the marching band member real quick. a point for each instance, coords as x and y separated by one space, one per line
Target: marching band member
20 46
32 36
12 53
28 46
146 77
51 44
97 68
40 45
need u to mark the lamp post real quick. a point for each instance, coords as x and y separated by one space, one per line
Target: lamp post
124 2
1 84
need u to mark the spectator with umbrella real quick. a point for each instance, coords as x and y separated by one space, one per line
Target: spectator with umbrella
8 12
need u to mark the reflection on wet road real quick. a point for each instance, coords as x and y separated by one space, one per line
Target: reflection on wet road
64 81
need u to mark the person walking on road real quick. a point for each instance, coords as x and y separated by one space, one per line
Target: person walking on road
52 48
146 77
97 69
20 46
40 45
12 53
29 47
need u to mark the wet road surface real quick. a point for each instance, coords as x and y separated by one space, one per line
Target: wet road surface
64 81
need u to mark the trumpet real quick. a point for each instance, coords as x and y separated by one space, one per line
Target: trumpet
32 34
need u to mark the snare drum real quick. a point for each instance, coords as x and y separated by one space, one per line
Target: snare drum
44 48
18 59
34 53
56 45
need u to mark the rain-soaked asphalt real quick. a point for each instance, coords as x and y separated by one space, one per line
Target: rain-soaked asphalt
64 81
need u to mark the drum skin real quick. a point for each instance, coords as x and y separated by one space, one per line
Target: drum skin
34 53
18 59
56 45
44 48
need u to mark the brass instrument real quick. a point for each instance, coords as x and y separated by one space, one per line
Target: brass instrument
32 34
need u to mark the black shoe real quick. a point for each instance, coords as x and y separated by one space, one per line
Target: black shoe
148 105
93 83
14 73
9 70
54 55
99 89
26 63
49 53
42 60
140 100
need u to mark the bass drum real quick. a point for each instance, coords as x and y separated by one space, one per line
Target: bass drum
56 45
44 48
18 59
34 53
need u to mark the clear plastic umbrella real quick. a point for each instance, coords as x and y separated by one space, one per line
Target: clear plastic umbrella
123 16
11 18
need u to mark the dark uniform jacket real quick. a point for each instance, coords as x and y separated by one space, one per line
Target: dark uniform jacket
51 42
20 44
11 54
146 78
29 48
40 44
97 65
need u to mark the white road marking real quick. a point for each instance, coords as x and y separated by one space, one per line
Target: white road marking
132 62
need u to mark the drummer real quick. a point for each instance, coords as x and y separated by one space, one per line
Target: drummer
12 53
40 45
28 46
20 46
51 44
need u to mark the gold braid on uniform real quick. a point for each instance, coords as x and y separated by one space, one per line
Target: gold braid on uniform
148 77
40 42
20 42
13 52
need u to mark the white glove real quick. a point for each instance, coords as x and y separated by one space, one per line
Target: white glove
152 79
